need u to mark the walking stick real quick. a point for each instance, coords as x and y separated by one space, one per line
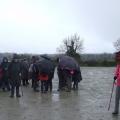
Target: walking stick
111 95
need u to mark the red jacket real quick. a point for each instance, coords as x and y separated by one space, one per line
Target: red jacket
117 74
43 77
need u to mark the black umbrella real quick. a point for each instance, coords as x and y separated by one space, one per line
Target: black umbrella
67 62
46 66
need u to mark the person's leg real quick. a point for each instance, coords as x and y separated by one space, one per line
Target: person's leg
61 81
32 83
3 83
12 90
23 81
18 91
117 98
27 83
42 86
68 83
7 85
36 85
50 84
46 85
75 84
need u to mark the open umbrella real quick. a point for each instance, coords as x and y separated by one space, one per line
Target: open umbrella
67 62
46 66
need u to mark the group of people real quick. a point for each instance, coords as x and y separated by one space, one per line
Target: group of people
38 72
12 74
19 72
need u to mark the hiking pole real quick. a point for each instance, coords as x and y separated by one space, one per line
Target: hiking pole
111 95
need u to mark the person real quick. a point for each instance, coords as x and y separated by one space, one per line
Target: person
24 72
30 73
49 81
68 71
44 78
61 83
46 72
77 77
4 80
117 83
14 75
34 74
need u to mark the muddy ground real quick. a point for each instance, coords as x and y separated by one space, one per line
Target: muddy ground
90 102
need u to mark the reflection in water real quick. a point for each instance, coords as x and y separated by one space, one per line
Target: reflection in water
55 97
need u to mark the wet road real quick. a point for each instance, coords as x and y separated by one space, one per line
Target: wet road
90 102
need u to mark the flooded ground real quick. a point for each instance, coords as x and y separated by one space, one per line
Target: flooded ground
90 102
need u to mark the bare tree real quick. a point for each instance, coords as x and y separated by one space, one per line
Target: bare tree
71 45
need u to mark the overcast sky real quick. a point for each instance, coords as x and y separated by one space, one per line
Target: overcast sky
39 26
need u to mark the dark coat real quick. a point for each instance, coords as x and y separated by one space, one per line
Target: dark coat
24 70
35 70
14 73
4 67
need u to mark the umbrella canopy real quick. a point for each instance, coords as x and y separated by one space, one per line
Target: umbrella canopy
46 66
67 62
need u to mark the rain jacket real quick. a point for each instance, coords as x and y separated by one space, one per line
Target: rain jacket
14 73
117 74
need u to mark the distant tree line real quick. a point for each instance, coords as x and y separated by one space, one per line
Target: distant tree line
94 63
104 59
